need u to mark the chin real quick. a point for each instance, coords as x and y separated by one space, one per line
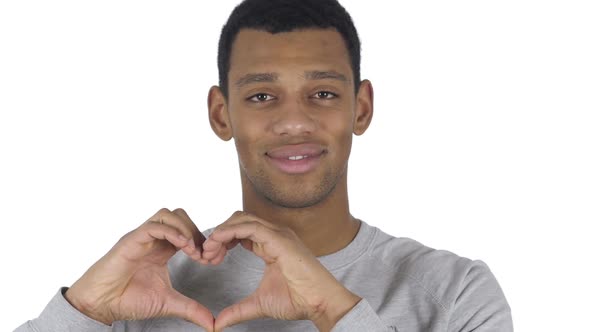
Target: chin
294 192
297 196
294 203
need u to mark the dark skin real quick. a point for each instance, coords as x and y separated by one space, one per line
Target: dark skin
291 110
295 112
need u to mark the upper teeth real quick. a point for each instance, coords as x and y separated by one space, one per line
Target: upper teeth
297 157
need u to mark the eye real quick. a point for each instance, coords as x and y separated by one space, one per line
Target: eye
324 95
260 97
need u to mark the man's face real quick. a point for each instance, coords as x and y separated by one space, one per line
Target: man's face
291 108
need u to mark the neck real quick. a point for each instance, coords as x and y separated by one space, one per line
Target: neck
324 228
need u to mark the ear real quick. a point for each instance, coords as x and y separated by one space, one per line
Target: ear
364 107
218 114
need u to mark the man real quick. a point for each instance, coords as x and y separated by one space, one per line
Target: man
295 259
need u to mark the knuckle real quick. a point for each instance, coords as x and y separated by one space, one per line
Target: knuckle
148 227
126 235
163 211
179 210
243 215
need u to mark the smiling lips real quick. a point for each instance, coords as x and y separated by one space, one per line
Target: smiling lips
296 159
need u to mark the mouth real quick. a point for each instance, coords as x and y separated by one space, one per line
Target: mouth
296 159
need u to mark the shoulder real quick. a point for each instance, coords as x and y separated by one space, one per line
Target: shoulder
413 257
444 275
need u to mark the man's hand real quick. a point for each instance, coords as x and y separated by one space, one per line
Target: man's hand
295 284
131 281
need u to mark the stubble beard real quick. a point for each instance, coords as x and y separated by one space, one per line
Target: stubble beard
297 192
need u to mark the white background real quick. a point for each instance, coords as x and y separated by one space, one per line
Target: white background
479 145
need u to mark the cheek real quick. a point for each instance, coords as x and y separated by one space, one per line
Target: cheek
247 132
247 125
339 126
244 148
340 129
246 154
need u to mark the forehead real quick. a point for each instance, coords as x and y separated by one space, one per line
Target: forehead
256 50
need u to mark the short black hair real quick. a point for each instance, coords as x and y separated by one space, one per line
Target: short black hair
277 16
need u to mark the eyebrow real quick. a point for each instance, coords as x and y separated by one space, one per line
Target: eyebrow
273 77
322 75
256 78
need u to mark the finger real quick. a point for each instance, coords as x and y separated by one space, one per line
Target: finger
197 234
240 227
266 243
241 216
186 308
242 311
149 232
212 245
214 251
165 216
251 230
219 257
215 247
198 237
188 229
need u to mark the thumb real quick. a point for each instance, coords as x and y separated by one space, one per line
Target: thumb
178 305
246 309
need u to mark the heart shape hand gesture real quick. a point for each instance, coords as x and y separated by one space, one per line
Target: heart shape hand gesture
132 281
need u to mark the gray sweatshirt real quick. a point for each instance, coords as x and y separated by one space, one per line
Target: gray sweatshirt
405 286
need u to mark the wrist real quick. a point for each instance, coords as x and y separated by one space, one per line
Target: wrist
334 309
85 307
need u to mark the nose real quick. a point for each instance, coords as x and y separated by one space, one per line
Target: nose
293 119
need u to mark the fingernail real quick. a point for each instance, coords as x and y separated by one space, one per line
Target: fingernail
182 237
